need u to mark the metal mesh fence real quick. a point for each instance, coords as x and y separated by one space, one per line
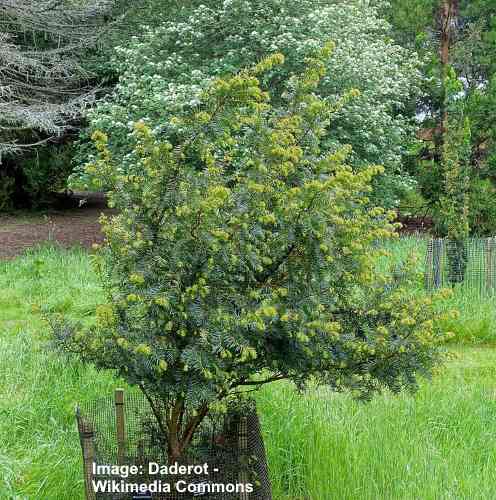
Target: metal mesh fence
125 432
469 263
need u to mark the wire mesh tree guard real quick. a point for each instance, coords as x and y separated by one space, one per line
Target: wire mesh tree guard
469 263
123 432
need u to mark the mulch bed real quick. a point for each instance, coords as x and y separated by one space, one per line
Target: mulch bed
67 227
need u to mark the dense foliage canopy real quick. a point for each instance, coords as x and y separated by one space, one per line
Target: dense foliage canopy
44 88
41 79
244 253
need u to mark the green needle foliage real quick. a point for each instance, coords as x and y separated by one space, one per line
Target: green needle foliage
241 255
453 212
454 202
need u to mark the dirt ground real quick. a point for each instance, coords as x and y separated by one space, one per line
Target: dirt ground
79 226
66 227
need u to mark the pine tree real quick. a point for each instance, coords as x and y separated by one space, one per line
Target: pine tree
454 36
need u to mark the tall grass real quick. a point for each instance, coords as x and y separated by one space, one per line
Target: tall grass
477 321
438 444
39 454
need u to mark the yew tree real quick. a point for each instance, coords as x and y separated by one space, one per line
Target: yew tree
242 255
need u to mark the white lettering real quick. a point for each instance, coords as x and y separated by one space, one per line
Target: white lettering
176 469
153 468
100 486
181 486
114 470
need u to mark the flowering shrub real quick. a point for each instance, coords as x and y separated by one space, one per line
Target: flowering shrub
164 71
242 254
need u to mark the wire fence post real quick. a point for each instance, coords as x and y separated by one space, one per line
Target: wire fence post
120 426
437 251
87 437
490 264
469 264
243 448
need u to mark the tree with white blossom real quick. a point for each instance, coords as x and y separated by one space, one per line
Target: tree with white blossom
164 70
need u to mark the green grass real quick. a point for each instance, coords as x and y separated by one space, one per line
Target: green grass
477 322
437 444
39 448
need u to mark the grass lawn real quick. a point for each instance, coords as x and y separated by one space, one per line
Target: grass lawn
437 444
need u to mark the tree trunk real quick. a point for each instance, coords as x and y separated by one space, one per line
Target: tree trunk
457 252
447 18
449 10
180 435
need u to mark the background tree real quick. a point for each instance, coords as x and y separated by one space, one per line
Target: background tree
165 68
44 87
245 254
453 210
459 35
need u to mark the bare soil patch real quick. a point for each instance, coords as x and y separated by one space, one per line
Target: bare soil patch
68 227
79 226
414 225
